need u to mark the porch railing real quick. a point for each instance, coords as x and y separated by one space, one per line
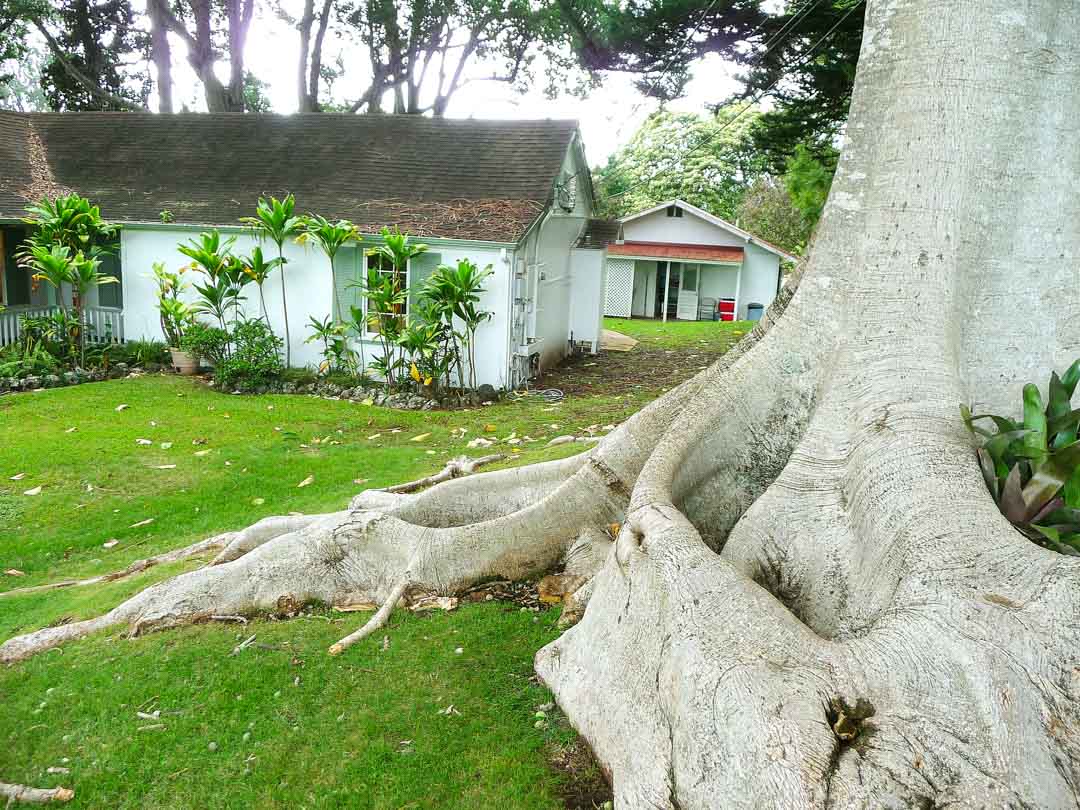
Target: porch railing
104 324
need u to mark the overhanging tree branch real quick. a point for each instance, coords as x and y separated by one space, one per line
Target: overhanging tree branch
80 77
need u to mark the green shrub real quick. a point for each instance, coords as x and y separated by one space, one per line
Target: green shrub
19 361
208 343
142 353
1032 468
255 359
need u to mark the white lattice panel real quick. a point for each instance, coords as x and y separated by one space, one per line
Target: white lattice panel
619 295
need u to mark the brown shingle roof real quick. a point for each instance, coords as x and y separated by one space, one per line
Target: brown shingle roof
599 233
463 179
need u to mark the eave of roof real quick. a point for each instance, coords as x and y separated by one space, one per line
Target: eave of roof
718 222
722 254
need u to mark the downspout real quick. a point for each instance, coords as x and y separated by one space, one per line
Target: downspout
509 260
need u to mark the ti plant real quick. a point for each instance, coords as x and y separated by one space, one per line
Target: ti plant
331 237
57 265
337 356
175 315
1033 467
276 220
258 269
225 277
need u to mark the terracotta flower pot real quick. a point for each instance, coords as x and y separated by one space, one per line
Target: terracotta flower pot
183 363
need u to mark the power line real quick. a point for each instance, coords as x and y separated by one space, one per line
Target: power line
711 137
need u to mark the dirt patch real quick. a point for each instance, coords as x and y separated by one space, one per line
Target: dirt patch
644 369
584 787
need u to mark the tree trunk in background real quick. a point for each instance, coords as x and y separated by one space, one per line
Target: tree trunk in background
812 601
161 53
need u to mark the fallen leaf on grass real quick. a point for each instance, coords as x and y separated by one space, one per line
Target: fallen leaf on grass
165 467
166 445
146 522
356 607
202 452
18 477
15 572
360 481
368 401
143 442
71 430
374 436
34 491
449 711
309 480
258 501
419 438
490 428
122 407
110 544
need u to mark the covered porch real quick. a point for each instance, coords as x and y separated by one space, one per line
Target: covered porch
673 282
21 297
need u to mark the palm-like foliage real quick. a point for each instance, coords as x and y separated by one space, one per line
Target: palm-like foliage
258 269
1032 468
455 293
225 277
57 265
385 296
71 221
175 315
331 237
276 220
337 356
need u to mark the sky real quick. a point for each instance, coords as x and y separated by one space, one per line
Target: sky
608 116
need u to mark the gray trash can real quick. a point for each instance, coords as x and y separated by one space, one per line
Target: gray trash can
754 311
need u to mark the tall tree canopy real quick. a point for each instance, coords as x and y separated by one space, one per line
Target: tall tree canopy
98 47
707 161
803 58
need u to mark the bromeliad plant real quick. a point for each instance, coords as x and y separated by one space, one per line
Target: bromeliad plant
1032 468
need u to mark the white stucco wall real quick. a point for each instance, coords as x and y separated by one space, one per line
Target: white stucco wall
758 281
309 289
586 294
687 230
552 323
718 281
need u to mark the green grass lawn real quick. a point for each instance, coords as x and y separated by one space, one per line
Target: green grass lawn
679 334
291 726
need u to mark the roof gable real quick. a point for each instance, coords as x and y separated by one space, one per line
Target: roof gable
723 224
434 177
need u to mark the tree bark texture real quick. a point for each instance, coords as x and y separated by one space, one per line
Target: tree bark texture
812 601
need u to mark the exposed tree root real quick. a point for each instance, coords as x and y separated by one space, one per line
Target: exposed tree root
194 550
381 617
455 468
30 795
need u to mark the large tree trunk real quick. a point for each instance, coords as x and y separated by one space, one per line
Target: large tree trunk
805 538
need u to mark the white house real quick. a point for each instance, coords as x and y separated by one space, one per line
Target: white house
515 195
676 261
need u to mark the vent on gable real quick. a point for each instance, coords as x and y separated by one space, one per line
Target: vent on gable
674 211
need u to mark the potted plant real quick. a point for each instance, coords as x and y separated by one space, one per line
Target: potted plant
176 317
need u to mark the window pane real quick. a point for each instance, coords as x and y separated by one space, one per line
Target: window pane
18 279
111 295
